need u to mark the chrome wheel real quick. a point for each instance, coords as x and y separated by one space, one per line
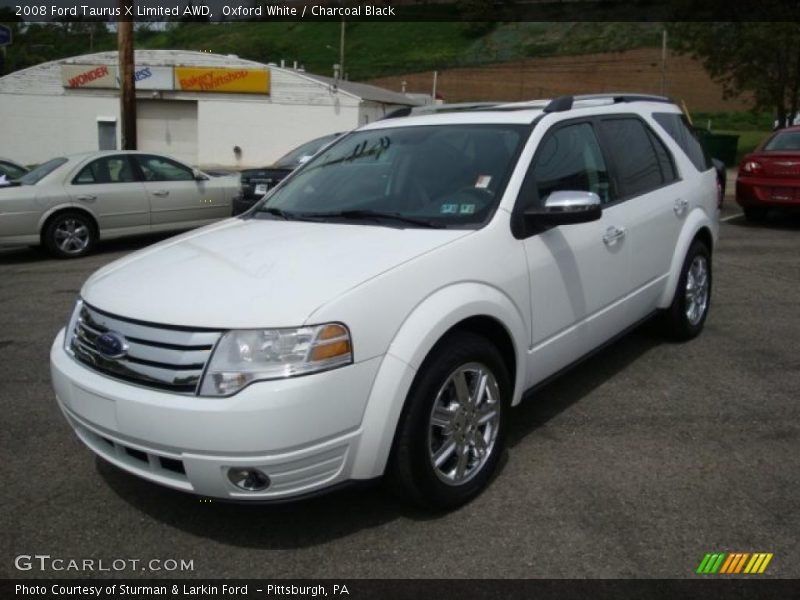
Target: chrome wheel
71 236
463 424
697 287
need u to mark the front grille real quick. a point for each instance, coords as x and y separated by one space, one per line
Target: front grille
157 356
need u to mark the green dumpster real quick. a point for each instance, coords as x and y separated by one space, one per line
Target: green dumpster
721 146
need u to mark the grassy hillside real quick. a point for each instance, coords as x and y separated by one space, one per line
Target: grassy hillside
379 49
371 49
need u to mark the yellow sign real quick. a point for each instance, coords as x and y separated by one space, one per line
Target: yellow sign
222 80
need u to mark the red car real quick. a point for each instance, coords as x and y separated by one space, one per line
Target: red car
769 177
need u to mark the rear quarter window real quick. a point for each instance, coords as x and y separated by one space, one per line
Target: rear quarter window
678 129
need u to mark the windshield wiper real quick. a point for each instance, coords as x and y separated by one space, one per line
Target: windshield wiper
278 212
358 214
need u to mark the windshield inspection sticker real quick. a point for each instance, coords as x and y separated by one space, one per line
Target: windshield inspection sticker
467 209
483 182
449 209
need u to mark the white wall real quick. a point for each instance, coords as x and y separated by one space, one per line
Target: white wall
264 131
372 111
35 128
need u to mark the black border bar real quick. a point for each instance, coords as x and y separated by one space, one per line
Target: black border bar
405 10
742 587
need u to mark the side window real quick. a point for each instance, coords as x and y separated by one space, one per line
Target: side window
109 169
668 173
569 159
675 125
637 165
158 168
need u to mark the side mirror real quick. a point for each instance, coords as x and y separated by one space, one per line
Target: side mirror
567 207
199 175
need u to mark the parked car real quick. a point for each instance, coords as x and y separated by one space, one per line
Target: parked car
384 308
10 170
722 178
769 177
257 182
68 203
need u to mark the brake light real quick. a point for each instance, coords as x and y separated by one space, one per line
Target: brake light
751 167
720 193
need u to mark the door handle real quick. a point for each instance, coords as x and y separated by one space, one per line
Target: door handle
680 206
613 234
161 193
87 198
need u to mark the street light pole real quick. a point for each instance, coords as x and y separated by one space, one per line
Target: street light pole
664 62
127 85
341 50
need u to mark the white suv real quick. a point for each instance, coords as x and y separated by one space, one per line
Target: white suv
383 309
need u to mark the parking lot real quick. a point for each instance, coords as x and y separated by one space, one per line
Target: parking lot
636 464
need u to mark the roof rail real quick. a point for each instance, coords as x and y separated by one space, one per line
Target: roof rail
565 103
430 109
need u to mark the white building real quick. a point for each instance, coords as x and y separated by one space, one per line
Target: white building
205 109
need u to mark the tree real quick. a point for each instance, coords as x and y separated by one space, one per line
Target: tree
758 57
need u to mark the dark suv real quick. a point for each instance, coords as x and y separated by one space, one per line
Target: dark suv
257 182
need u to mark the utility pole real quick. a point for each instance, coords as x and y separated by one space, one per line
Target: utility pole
127 85
664 62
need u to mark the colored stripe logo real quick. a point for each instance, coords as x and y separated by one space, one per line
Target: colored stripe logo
734 563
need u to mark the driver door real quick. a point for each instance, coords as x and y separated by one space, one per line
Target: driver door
177 199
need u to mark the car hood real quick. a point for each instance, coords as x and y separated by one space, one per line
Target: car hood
253 273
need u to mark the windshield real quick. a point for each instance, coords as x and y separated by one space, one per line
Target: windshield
784 140
11 170
303 153
42 171
446 175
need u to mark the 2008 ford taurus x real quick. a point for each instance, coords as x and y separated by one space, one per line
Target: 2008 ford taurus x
382 310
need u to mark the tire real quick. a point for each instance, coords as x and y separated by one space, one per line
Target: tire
755 214
69 234
685 317
438 421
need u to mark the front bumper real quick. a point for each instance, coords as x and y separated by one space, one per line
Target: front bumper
302 432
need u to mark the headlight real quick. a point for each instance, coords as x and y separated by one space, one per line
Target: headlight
69 331
251 355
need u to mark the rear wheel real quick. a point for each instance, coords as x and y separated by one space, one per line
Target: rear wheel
755 213
685 317
452 432
69 235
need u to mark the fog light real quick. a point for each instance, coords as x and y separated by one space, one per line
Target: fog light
250 480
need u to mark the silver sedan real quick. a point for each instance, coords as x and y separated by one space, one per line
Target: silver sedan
68 203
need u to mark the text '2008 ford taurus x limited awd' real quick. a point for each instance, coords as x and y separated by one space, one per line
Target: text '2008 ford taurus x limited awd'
382 310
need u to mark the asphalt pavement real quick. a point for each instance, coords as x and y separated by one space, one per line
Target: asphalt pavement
635 464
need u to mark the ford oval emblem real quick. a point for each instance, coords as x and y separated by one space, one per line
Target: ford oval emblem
111 345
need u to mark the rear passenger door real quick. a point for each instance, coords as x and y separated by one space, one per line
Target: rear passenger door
110 189
654 203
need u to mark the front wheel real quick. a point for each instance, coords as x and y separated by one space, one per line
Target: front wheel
685 317
452 433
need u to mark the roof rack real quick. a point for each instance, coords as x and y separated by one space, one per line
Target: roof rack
565 103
